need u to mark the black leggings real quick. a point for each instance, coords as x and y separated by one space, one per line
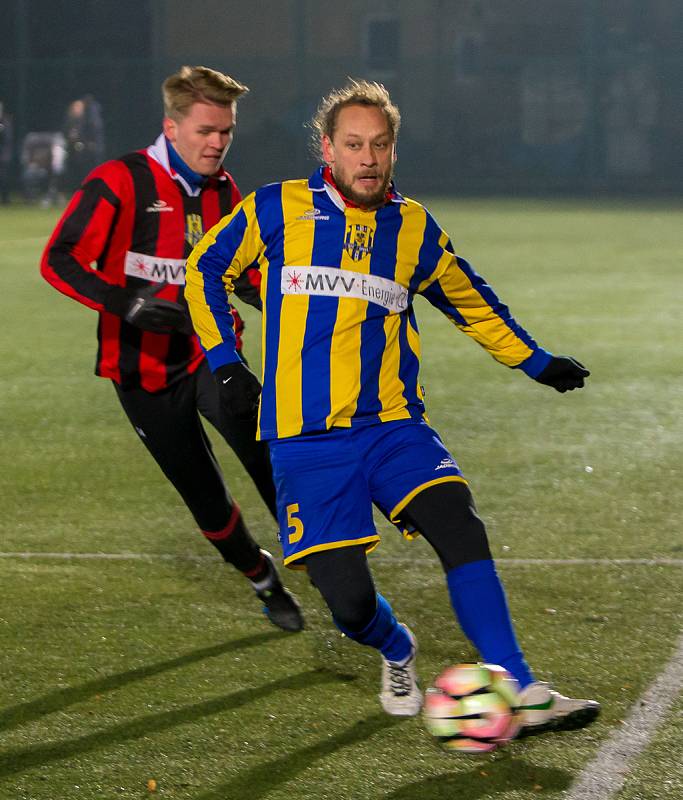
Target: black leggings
444 514
169 426
343 578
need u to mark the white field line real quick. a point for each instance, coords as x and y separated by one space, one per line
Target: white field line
605 775
561 562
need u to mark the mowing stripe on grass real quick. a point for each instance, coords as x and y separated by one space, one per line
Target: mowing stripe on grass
604 776
26 240
562 562
111 556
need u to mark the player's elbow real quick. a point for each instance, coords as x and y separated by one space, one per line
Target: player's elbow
49 258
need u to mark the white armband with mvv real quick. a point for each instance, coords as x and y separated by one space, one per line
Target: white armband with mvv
155 269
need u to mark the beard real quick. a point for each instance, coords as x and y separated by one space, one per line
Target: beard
366 200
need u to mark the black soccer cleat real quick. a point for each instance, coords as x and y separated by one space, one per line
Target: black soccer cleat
279 604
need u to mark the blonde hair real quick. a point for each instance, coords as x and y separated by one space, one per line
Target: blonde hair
363 93
192 85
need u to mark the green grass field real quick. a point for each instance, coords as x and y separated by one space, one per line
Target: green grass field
161 666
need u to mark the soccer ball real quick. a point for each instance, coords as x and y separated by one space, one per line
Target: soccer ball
472 708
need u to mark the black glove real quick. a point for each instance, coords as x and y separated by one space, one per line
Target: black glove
564 374
238 390
142 308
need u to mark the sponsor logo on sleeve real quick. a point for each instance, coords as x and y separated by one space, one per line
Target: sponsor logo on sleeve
334 282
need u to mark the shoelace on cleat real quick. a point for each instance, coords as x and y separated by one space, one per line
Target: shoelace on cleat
399 679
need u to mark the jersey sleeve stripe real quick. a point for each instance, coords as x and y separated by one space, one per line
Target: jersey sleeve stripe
75 244
430 252
206 285
486 318
480 285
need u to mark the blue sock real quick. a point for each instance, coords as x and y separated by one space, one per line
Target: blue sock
383 633
479 603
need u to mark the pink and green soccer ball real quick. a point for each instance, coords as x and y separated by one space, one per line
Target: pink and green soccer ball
471 708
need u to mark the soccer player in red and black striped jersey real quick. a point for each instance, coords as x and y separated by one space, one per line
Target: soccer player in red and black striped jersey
120 249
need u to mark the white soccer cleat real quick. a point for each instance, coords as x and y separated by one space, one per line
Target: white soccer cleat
401 695
543 709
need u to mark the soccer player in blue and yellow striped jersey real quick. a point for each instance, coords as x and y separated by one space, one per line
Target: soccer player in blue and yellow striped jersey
342 256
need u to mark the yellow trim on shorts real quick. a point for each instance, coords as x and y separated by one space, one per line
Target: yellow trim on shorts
396 510
371 543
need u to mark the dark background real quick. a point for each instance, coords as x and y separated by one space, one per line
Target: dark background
579 97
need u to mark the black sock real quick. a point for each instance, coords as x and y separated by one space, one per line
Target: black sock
237 547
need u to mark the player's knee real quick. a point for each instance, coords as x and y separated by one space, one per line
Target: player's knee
446 516
474 545
352 607
354 614
343 579
462 541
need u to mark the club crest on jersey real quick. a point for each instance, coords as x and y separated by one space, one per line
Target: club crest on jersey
358 241
193 229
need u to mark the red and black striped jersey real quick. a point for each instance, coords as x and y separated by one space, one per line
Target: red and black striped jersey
132 222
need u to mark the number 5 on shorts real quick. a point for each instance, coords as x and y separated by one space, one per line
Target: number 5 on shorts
294 522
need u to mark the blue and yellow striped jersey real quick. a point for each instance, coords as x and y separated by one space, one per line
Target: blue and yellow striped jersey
340 343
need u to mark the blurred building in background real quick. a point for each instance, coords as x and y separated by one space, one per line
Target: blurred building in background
497 96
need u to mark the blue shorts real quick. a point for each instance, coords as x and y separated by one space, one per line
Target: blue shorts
327 482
